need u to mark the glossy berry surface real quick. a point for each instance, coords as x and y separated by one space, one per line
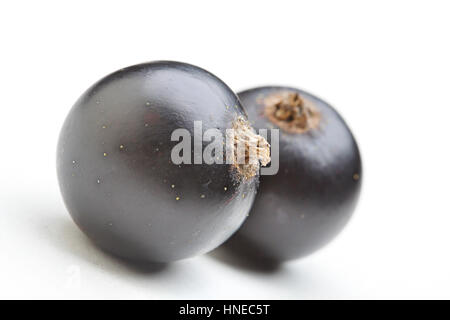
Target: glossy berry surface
312 197
115 170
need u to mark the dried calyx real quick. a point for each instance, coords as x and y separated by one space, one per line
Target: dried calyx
249 149
290 112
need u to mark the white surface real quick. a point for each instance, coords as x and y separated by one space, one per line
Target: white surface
384 65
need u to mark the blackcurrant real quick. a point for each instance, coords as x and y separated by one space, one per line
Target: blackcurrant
313 195
116 169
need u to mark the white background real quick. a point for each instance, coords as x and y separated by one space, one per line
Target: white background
385 65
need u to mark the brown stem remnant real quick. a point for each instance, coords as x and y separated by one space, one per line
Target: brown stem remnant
248 149
291 112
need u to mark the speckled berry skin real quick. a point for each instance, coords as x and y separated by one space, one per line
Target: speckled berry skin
116 175
311 199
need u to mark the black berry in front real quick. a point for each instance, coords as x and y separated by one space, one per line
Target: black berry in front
313 195
117 176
